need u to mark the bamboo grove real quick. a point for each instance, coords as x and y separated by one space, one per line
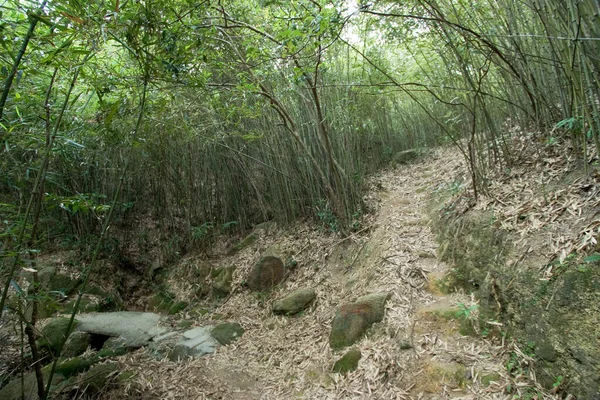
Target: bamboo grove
199 118
217 115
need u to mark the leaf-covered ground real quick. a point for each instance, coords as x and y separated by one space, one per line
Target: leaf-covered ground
427 347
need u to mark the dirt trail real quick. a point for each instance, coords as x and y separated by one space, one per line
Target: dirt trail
417 352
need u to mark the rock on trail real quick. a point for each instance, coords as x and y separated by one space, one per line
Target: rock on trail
352 320
137 329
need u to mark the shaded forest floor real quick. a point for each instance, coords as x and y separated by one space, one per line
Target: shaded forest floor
427 347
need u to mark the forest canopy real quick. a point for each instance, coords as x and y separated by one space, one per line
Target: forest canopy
212 116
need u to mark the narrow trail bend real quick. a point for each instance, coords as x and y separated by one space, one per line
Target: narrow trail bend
416 352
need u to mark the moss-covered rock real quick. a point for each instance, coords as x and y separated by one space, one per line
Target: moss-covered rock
50 280
64 284
44 275
177 307
52 287
91 381
48 306
161 301
12 391
405 345
116 345
54 333
558 318
195 271
227 332
267 273
348 363
487 379
98 377
473 245
351 321
88 304
294 302
73 366
545 351
222 281
242 244
185 324
437 375
77 344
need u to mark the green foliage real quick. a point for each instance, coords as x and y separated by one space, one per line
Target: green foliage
594 258
326 216
80 203
570 124
202 231
558 382
465 311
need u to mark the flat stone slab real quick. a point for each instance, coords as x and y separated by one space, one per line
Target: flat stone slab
199 341
178 346
136 329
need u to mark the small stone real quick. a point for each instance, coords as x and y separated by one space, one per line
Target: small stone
294 302
404 345
227 332
348 363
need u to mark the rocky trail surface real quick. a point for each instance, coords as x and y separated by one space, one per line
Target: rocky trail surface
424 346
